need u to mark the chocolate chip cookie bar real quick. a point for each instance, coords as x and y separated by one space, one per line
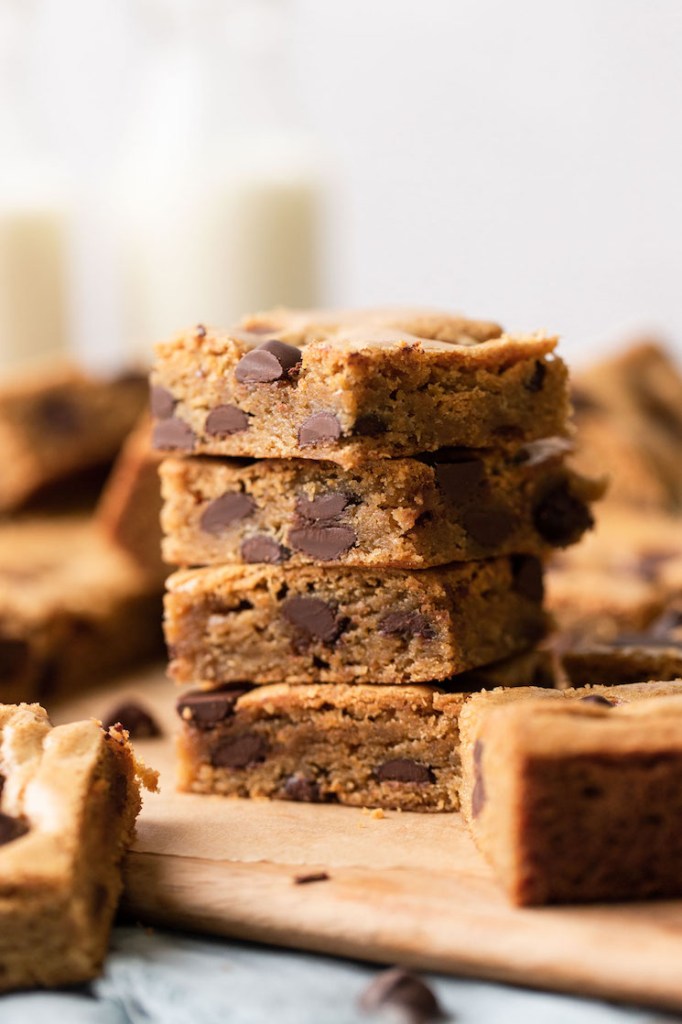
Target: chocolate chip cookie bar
230 623
350 387
577 796
68 802
61 421
454 505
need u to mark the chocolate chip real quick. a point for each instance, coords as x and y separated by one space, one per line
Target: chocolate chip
560 518
222 512
11 828
161 403
318 428
302 789
596 698
527 574
14 658
261 548
323 542
204 709
240 751
478 795
489 526
403 769
174 434
323 507
459 479
407 624
200 331
312 876
271 361
403 993
313 616
370 425
59 413
225 420
133 717
537 378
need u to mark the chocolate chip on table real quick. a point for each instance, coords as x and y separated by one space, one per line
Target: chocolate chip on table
560 518
135 719
527 573
161 403
596 698
302 789
204 709
369 425
489 526
323 507
271 361
537 378
261 548
312 616
11 828
404 769
478 795
225 420
318 428
239 751
312 876
173 434
403 993
407 624
324 542
222 512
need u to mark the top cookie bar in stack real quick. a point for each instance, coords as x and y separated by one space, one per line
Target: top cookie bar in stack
352 386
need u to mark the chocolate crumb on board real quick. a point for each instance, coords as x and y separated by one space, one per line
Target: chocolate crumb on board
406 995
313 876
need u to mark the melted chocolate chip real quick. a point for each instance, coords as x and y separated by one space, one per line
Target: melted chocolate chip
133 717
225 420
598 699
527 573
459 479
323 542
302 789
478 795
537 378
261 548
407 625
370 425
322 507
271 361
161 403
403 769
489 526
560 518
403 993
59 413
222 512
11 828
319 428
240 751
174 434
313 617
204 709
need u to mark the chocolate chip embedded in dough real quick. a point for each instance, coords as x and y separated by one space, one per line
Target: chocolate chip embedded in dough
489 526
302 789
174 434
271 361
370 425
598 699
404 769
312 616
459 479
204 709
407 624
261 548
11 828
161 403
319 428
240 751
229 508
135 719
403 994
325 506
324 542
537 378
560 518
225 420
527 574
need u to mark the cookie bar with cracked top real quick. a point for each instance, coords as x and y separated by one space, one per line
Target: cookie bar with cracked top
59 421
454 505
69 797
349 625
350 387
575 796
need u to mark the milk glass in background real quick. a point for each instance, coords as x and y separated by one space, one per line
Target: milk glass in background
220 193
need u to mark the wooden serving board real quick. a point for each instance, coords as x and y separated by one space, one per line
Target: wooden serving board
403 888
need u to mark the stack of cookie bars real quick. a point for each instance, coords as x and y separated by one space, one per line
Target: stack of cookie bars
362 503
